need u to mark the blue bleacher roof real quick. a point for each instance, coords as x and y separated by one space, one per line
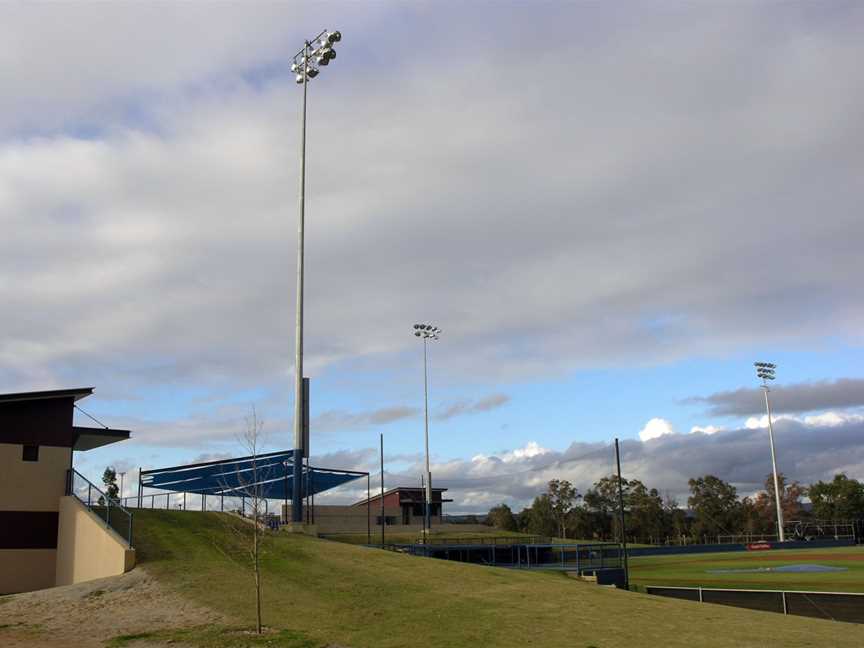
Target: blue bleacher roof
271 475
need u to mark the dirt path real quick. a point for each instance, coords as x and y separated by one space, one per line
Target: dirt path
88 614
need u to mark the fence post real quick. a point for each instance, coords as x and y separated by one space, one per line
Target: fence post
700 594
785 609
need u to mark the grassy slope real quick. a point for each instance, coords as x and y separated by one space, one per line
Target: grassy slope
692 570
359 597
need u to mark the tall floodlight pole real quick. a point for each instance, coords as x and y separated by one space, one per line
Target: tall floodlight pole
122 475
427 332
315 54
765 371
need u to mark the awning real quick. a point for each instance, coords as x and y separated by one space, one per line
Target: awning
270 476
87 438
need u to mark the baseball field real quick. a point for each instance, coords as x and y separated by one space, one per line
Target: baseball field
825 570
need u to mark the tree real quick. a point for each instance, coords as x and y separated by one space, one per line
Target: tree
646 512
790 501
715 505
840 499
562 499
109 479
501 517
602 501
538 518
250 485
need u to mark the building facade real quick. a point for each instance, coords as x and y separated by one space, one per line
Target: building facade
37 442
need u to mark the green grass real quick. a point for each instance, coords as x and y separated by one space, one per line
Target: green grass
692 570
361 597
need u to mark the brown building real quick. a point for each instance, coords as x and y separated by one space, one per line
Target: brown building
409 504
48 536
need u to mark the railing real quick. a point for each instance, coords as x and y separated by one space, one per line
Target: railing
484 540
115 516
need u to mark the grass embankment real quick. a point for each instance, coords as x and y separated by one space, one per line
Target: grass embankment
694 570
332 593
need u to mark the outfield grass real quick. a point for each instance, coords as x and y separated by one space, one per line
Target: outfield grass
692 570
331 593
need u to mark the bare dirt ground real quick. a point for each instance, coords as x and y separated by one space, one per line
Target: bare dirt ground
86 615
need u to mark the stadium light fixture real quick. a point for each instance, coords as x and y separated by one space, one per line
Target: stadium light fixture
306 65
427 332
765 371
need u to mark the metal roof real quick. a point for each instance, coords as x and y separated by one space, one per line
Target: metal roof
268 475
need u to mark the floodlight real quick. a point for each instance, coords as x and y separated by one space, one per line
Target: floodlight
294 67
334 37
312 73
322 60
331 54
299 78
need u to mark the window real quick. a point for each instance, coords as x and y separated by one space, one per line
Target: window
31 453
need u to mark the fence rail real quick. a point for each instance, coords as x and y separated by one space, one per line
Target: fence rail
116 517
836 606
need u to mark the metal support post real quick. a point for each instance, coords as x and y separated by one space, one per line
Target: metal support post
383 519
780 532
621 508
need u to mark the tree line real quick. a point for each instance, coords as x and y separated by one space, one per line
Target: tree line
715 509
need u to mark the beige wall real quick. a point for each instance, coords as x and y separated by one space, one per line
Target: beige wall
25 570
86 549
32 485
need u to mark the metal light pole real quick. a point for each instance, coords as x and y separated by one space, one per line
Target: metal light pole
427 332
765 371
122 474
315 53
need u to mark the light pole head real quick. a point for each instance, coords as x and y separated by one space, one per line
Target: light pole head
427 331
765 370
316 53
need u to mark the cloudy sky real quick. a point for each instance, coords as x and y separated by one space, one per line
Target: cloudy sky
611 211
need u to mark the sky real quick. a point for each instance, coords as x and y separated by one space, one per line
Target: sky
610 210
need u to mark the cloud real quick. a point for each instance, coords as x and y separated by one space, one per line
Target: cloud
708 429
806 452
461 408
655 428
341 420
180 203
800 397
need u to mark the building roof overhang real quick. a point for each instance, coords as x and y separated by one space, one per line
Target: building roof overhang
87 438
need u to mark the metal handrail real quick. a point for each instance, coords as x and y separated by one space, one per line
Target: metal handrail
102 500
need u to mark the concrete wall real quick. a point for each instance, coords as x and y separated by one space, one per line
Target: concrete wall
25 570
86 548
32 485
